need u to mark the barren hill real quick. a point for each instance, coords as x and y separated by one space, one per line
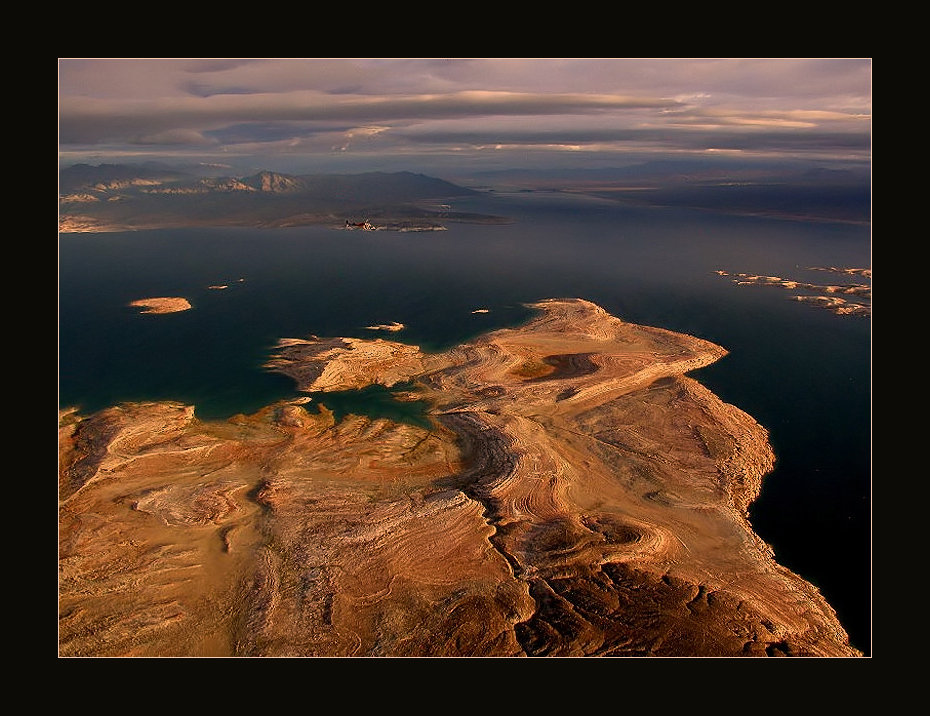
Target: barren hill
116 198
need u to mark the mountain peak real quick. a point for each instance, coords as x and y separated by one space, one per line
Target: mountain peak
273 182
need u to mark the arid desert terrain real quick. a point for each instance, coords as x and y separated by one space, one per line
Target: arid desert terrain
577 495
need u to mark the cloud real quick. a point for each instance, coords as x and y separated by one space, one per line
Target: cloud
94 120
174 137
411 105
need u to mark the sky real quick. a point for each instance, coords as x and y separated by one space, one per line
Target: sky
461 115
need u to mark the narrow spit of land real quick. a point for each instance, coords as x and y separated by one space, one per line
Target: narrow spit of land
578 495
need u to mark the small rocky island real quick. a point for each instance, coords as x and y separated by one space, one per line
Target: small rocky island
577 495
842 299
162 304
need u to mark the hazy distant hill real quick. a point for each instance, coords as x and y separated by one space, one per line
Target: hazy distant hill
85 177
109 197
788 189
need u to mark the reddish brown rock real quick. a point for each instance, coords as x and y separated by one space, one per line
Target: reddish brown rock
577 496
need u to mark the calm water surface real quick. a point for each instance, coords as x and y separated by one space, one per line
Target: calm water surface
802 372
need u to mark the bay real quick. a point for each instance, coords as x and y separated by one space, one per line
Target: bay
803 372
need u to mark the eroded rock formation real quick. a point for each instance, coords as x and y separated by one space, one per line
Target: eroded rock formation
579 495
842 299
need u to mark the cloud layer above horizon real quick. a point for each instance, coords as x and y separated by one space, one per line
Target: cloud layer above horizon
482 112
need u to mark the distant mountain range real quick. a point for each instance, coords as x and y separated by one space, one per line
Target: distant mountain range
112 197
783 189
115 197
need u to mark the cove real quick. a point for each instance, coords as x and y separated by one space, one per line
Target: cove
375 401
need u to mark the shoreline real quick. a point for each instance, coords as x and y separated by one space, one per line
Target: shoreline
572 456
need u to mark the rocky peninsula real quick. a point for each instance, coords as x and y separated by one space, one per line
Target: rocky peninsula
577 495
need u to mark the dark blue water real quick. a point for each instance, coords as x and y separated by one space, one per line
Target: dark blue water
802 372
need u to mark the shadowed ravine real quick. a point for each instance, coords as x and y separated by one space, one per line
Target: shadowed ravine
578 495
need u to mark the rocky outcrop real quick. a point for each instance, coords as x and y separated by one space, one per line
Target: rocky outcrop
841 299
578 495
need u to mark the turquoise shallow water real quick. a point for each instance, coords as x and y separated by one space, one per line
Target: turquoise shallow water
803 372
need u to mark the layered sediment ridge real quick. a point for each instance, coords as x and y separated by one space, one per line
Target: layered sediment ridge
578 495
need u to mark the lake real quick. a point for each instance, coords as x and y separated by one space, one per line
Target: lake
800 370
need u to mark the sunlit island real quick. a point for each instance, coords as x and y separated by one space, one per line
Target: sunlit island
176 304
577 495
392 327
841 299
162 304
